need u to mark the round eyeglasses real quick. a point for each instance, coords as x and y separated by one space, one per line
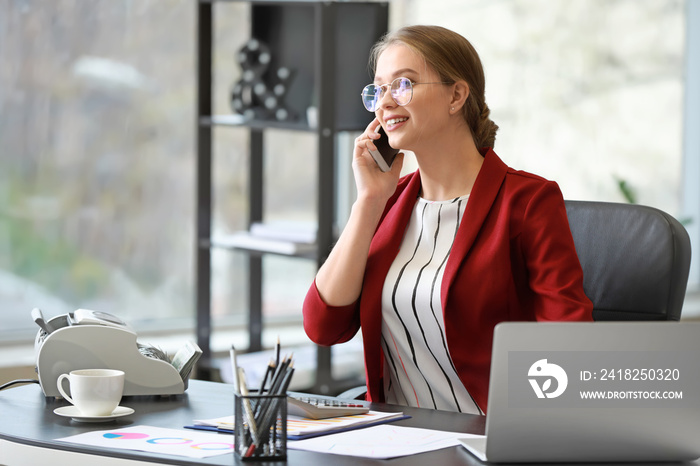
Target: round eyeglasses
401 90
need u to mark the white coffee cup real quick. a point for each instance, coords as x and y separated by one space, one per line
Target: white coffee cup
95 392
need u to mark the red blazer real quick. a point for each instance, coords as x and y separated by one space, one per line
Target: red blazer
513 260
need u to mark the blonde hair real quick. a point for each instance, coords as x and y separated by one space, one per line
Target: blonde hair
453 58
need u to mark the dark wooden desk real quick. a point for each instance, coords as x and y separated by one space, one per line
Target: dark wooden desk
27 419
27 422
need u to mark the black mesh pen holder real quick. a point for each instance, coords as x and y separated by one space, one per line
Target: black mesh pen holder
260 427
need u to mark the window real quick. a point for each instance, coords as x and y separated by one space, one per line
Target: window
96 124
97 135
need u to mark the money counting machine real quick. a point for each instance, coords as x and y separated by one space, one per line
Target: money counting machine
95 340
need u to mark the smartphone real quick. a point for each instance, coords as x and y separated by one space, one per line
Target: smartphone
385 154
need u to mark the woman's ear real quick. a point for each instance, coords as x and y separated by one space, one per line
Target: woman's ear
460 92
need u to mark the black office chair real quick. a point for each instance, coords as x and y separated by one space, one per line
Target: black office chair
635 260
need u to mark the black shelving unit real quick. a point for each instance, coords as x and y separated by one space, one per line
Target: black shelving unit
327 44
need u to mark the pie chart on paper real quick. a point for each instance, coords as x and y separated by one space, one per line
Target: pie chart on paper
125 435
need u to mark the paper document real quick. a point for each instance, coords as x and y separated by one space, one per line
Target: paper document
299 427
381 442
157 440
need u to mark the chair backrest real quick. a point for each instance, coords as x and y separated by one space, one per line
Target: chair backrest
635 260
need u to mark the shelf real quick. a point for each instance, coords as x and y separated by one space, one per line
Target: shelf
325 45
263 2
246 241
240 121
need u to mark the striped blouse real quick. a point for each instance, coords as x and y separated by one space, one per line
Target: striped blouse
418 370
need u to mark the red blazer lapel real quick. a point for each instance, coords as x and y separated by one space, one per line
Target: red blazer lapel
387 239
486 187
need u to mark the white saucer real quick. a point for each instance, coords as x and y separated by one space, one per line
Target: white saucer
74 413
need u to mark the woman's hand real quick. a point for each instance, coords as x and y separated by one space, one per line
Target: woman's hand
373 184
339 280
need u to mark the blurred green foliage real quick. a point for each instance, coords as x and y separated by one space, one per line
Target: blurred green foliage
51 262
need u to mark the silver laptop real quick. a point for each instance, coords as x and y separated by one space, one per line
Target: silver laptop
593 392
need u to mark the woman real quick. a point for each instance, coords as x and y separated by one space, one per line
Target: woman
429 263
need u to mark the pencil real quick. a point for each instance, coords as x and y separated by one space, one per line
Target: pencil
248 409
270 369
234 368
277 351
279 375
262 413
287 378
268 418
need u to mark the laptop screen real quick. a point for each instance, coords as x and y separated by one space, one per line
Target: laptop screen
594 391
